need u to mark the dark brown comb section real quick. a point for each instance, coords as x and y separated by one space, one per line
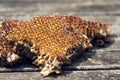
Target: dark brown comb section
9 24
87 27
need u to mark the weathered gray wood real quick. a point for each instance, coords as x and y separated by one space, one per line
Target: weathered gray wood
105 10
66 1
67 75
104 64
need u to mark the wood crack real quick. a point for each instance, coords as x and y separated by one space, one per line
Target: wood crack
68 68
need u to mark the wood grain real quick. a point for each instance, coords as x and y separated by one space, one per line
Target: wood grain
102 64
67 75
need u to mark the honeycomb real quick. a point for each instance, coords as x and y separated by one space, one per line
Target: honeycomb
51 41
7 55
86 27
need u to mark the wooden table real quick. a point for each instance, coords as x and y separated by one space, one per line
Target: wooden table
104 64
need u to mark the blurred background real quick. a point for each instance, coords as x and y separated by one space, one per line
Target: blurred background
103 10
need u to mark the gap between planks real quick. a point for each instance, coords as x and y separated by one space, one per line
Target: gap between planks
68 68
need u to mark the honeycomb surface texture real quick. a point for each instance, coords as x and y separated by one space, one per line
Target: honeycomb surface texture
54 39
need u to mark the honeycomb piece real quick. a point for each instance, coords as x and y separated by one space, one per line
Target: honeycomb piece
51 41
89 28
8 24
7 55
96 31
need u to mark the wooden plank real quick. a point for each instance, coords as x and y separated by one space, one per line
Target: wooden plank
64 8
67 75
109 13
74 7
65 1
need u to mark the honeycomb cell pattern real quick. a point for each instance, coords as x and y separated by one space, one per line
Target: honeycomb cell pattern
54 39
49 34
